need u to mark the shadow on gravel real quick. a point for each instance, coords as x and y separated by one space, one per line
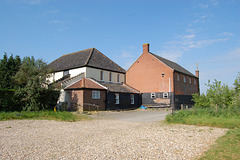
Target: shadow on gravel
132 115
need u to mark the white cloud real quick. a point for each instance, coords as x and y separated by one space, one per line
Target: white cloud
126 54
204 6
226 34
55 21
172 55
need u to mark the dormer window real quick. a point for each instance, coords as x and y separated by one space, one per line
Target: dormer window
65 72
101 75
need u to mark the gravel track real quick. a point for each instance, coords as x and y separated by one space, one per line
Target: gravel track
103 139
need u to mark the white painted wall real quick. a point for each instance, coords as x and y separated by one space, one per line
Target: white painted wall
90 73
58 75
77 71
95 73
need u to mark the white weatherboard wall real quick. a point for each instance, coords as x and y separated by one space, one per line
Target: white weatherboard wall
77 71
95 73
58 75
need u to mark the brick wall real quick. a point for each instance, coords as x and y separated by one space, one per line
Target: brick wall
185 88
87 96
146 75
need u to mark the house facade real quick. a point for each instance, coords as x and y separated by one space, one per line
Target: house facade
91 81
161 81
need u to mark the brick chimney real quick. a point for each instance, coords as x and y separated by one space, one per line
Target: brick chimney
197 71
146 48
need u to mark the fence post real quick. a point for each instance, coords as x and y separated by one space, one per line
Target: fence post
186 107
181 106
216 108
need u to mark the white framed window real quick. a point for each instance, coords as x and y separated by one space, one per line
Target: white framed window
95 94
110 76
116 98
195 82
190 80
153 95
101 75
184 79
178 77
165 94
132 98
118 78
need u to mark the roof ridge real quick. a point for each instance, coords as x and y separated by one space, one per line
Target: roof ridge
75 52
185 71
89 57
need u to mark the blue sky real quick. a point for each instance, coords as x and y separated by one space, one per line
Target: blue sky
206 32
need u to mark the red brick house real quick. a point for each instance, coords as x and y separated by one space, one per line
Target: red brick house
161 81
90 80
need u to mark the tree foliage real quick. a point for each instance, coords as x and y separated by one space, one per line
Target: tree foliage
219 94
8 68
33 92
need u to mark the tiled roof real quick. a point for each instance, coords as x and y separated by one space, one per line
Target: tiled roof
173 65
85 83
89 57
118 87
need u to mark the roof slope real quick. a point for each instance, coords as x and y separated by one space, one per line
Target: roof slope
173 65
85 83
117 87
89 57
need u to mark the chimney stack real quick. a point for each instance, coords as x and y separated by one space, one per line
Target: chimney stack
197 71
146 48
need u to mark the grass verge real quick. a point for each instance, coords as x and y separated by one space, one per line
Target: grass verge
47 115
226 147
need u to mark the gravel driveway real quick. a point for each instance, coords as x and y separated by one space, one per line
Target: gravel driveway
103 139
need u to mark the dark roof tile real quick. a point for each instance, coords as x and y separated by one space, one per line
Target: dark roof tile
89 57
173 65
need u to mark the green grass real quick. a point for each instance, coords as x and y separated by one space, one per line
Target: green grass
228 146
47 115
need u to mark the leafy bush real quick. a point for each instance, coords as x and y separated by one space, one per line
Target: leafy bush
219 95
8 101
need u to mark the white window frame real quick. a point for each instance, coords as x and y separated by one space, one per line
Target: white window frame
153 95
178 77
95 94
184 79
132 98
101 75
165 94
190 80
116 98
195 81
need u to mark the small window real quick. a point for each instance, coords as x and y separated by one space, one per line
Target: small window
162 74
117 98
101 75
165 95
65 72
95 94
178 77
190 80
132 98
110 76
118 78
195 82
184 79
153 95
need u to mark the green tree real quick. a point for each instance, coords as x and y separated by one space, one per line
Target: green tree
219 94
8 68
33 91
